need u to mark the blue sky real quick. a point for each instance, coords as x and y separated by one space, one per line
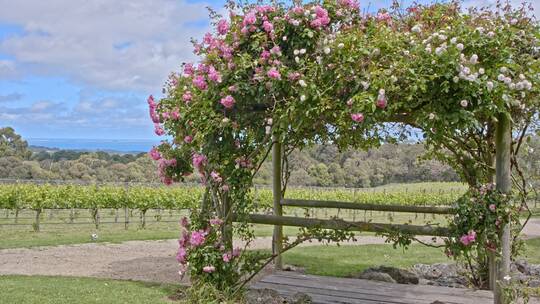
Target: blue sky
83 69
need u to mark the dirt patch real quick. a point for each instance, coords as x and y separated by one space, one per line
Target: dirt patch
152 261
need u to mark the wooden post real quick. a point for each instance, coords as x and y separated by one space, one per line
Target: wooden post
503 146
126 218
227 227
277 242
36 223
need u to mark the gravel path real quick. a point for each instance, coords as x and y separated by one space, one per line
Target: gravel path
152 261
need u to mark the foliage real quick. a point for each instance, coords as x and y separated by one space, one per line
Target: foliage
480 216
12 144
324 73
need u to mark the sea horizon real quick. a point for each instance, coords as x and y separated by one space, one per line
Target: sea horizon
95 144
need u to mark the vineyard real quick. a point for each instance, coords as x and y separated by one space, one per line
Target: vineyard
47 196
36 204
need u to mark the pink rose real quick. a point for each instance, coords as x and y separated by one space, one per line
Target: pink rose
216 222
154 154
249 18
158 130
227 257
187 96
228 101
222 27
273 73
209 269
200 83
492 207
268 26
357 117
188 139
197 238
181 255
381 103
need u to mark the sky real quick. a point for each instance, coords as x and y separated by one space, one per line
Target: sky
84 68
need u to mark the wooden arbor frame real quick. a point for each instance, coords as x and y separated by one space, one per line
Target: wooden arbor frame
497 269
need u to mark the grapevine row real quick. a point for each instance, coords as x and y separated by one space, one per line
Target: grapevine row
45 196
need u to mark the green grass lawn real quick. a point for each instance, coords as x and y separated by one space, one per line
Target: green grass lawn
60 290
340 261
345 260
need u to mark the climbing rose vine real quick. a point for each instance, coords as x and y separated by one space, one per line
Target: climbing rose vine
325 72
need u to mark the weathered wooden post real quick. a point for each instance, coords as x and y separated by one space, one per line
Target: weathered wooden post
277 241
227 226
503 146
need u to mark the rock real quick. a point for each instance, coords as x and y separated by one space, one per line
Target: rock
401 276
270 296
521 266
534 283
376 276
435 271
293 268
263 296
300 298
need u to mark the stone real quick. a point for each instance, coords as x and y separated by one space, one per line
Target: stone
293 268
264 296
521 266
534 283
376 276
300 298
401 276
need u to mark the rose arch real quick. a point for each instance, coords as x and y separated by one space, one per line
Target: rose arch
272 77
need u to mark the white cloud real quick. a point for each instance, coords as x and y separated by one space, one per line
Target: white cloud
7 69
125 45
101 114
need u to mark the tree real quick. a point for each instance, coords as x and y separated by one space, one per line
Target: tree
12 144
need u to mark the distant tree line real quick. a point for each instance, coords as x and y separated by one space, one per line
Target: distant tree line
322 166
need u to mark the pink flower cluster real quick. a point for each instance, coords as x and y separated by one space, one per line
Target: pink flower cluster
357 117
243 162
216 177
154 154
162 169
384 17
227 101
222 27
199 161
191 240
321 18
351 4
468 238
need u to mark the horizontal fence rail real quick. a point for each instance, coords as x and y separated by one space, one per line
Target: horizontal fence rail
371 207
338 224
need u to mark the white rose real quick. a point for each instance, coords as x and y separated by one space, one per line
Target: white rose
303 98
464 103
460 46
302 83
327 50
341 45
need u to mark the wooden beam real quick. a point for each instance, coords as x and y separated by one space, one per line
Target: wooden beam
373 207
277 240
503 150
338 224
